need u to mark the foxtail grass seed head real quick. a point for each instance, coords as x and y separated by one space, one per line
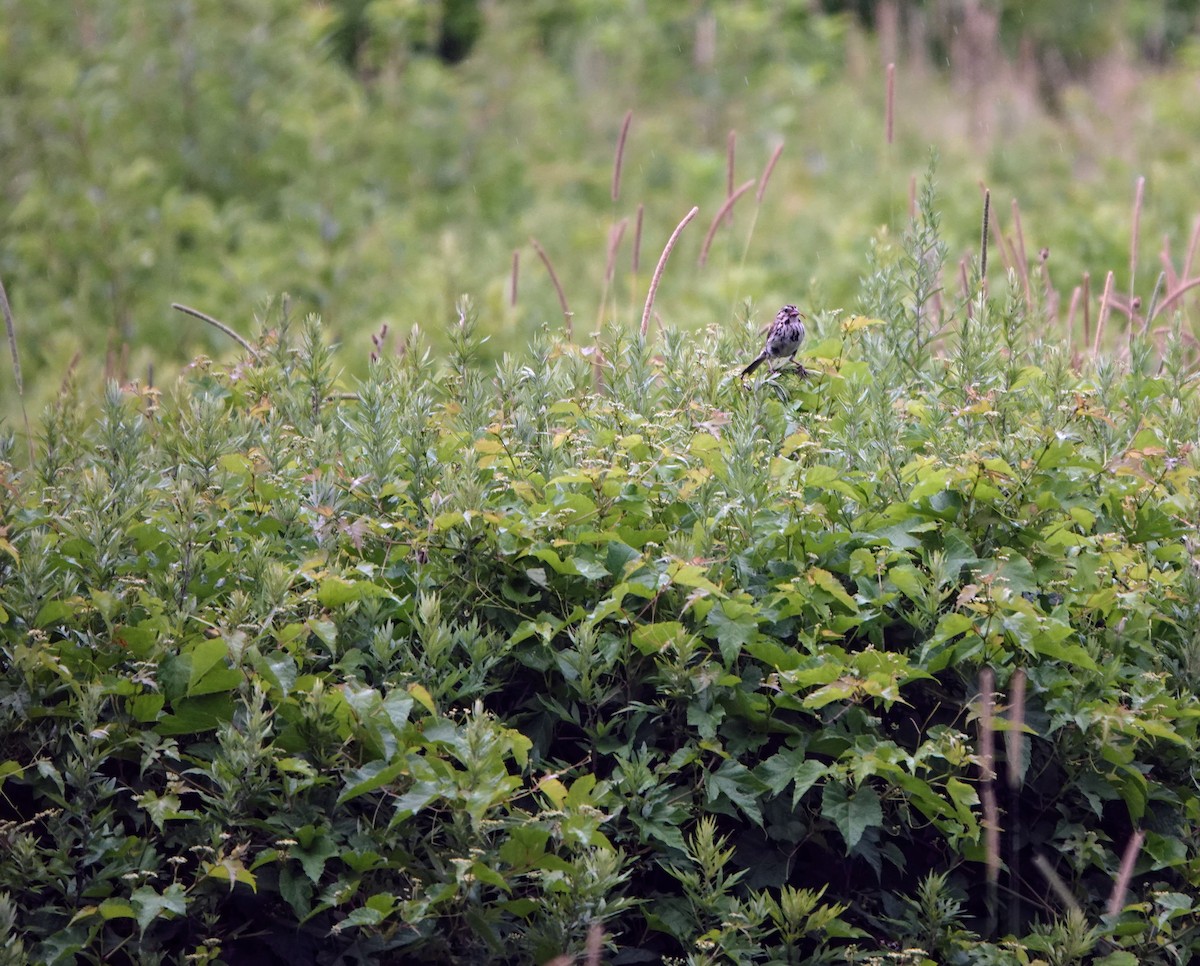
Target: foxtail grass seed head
658 270
619 157
1014 736
1102 315
562 296
1139 196
890 112
730 152
637 238
983 238
766 175
1116 900
719 217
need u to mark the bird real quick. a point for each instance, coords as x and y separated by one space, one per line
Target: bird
783 339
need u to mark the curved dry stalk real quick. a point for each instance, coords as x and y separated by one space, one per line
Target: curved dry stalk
766 175
619 159
637 238
730 153
1105 305
1174 296
720 217
562 297
1116 899
983 238
890 110
11 326
217 324
662 263
1139 196
615 234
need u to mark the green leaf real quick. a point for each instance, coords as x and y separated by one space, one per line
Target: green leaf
415 799
910 581
652 638
734 624
313 858
787 766
150 905
297 890
854 813
1119 958
336 591
736 782
832 586
372 775
116 909
193 715
204 657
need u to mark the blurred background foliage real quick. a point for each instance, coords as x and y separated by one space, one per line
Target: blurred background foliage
377 158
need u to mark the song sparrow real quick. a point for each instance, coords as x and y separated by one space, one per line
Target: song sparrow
783 339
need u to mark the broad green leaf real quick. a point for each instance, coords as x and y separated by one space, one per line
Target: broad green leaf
336 591
737 783
150 905
204 657
734 624
372 775
853 813
313 858
652 638
832 586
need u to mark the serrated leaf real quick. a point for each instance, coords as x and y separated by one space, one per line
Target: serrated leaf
652 638
150 905
313 858
737 783
372 775
853 813
734 624
832 586
204 657
336 591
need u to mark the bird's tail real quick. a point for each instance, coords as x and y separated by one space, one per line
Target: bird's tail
754 365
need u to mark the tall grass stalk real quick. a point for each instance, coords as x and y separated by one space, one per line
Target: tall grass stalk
758 199
1021 257
1102 315
562 296
619 157
615 234
658 269
720 216
1116 901
890 107
1139 196
730 157
217 324
983 239
10 327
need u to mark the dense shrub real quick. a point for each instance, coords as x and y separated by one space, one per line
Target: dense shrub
888 664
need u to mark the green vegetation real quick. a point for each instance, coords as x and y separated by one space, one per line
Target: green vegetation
518 627
462 664
217 155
